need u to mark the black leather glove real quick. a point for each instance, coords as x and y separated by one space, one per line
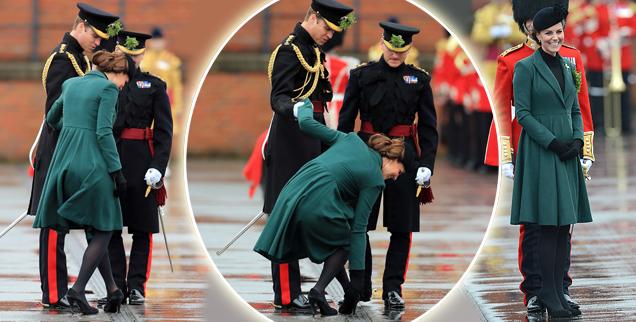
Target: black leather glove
560 147
120 183
574 150
352 293
577 144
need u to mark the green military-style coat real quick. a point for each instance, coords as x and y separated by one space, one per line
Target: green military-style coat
547 191
78 187
326 204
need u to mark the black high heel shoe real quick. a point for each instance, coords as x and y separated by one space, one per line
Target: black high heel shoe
317 302
556 311
80 301
350 302
114 302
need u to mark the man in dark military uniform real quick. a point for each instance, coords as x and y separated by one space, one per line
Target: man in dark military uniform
67 60
390 95
143 130
296 72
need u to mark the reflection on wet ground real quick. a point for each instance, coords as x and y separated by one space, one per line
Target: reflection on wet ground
177 296
452 230
603 252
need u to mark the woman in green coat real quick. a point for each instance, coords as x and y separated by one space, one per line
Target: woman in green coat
322 211
549 187
85 174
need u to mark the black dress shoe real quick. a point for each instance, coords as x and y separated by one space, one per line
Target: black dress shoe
61 305
393 300
135 298
572 303
534 305
300 303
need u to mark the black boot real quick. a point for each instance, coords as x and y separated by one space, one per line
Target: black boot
551 267
561 258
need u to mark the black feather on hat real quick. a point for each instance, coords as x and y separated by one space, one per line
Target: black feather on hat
524 10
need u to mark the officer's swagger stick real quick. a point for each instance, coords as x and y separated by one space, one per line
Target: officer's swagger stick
240 233
15 222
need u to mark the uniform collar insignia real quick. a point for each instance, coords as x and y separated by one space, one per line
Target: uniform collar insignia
410 79
143 84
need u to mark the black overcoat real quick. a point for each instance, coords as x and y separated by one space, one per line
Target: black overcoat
387 97
67 60
143 100
287 148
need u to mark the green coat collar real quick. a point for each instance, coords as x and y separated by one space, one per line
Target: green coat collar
97 73
545 72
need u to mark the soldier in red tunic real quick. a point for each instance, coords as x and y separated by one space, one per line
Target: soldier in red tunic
610 16
507 135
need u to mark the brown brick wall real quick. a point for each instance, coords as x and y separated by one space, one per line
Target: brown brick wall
231 111
230 105
22 109
56 17
286 13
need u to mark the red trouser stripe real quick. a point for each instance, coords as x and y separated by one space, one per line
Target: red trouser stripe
522 232
52 266
285 292
408 256
149 262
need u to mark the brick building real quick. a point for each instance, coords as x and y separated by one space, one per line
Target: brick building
234 97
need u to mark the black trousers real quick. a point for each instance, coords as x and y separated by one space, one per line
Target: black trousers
53 272
286 280
395 266
529 261
139 264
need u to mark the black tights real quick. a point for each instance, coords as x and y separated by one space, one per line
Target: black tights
553 249
96 256
333 267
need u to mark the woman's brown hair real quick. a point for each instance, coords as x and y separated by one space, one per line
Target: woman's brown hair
108 62
387 147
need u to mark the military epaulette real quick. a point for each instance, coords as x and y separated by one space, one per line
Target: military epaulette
151 75
419 68
158 79
569 46
511 49
289 40
74 63
363 66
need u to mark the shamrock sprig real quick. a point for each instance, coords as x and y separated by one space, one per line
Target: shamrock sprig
347 21
397 41
114 28
131 43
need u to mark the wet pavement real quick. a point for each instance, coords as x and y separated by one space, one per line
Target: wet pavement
452 229
603 252
178 296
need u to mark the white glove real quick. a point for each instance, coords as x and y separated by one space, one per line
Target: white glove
423 175
508 170
152 177
305 102
500 31
586 165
